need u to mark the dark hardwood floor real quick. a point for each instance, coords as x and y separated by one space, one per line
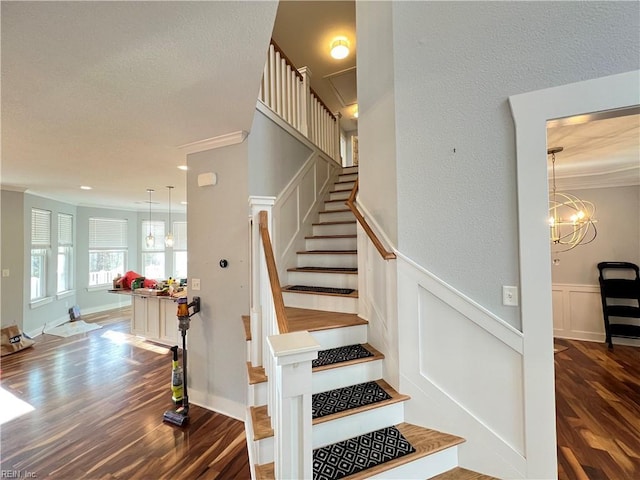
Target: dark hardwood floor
598 411
99 399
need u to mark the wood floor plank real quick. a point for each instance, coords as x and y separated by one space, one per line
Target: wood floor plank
99 399
597 411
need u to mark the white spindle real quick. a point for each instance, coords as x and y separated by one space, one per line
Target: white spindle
272 78
278 72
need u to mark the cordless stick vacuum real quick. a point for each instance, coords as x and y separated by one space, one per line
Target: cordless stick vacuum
180 415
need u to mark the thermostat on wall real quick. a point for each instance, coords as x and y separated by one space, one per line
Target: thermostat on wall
206 179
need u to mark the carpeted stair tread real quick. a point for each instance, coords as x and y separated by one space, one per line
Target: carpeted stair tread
341 354
349 270
460 473
424 440
354 399
355 455
315 290
329 360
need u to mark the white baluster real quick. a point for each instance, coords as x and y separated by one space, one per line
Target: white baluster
272 78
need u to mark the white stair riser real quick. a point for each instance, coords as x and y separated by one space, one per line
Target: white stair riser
344 186
344 376
344 177
328 303
336 216
335 280
351 169
335 229
248 348
340 337
263 450
257 394
425 467
334 205
339 195
327 260
349 243
351 426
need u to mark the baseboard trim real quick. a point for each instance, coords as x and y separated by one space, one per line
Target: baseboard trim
218 404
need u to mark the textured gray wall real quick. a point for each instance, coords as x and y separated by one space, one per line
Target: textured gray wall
455 65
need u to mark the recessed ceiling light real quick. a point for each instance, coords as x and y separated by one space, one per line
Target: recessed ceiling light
85 187
182 167
340 48
183 203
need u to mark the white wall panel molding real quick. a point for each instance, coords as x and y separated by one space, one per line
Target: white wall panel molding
481 400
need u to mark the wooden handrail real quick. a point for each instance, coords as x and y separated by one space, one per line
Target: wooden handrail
326 109
276 291
287 60
351 203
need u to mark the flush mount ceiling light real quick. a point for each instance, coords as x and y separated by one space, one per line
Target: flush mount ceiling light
339 48
168 239
150 240
571 219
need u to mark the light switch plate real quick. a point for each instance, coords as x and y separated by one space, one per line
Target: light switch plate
509 296
195 284
5 272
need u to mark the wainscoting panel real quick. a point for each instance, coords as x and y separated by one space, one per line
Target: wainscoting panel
577 312
481 400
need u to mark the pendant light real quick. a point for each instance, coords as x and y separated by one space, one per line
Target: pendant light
150 240
168 239
571 219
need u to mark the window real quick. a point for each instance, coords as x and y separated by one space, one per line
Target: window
180 249
65 252
40 246
107 250
153 257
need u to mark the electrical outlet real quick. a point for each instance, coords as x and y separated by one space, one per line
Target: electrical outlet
5 272
510 296
195 284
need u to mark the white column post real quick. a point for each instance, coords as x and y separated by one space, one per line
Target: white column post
305 100
258 284
293 354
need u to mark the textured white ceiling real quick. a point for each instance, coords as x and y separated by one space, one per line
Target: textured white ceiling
104 93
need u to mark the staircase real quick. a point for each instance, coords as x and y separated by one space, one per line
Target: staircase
358 418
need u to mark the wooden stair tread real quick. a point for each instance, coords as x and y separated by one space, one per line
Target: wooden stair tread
395 398
256 374
353 294
322 270
261 422
328 252
331 236
377 355
336 201
340 222
460 473
246 323
424 440
266 471
343 181
304 319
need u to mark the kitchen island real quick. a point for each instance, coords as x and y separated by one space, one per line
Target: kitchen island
154 316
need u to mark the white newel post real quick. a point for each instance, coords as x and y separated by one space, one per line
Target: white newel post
305 100
260 289
293 354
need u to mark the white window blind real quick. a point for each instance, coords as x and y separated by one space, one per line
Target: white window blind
40 228
107 233
179 235
65 229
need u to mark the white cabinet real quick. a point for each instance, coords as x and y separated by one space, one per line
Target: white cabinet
154 318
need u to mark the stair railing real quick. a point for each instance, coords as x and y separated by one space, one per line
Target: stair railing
287 91
351 204
286 356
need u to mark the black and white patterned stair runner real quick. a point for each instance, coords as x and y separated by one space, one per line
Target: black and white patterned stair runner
347 398
310 288
341 354
359 453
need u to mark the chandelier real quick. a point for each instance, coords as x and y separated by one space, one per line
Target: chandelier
571 220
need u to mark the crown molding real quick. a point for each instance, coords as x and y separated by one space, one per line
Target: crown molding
220 141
